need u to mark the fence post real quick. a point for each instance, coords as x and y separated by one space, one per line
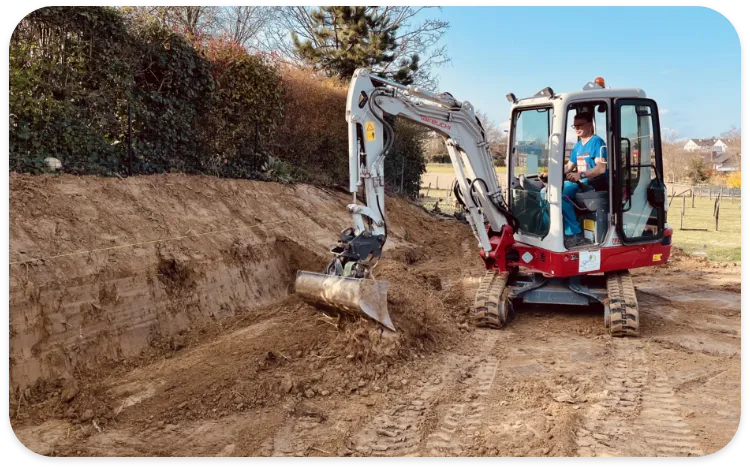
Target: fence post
682 214
683 204
717 218
428 190
692 193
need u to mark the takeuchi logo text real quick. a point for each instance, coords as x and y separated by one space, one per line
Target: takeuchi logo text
436 123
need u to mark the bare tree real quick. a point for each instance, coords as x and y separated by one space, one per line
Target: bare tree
669 135
433 148
415 36
494 135
243 24
192 20
675 161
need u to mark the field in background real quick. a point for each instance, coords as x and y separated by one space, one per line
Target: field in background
722 246
436 184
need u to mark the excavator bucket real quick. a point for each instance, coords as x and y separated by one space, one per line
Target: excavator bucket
354 295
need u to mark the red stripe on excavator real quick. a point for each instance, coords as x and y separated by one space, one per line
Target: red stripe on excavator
565 264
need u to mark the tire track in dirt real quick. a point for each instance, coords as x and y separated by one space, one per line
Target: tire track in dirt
292 438
400 430
638 413
607 421
661 425
462 419
397 431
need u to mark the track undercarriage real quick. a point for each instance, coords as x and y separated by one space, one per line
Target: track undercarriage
498 291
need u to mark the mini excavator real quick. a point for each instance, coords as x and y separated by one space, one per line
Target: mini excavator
519 229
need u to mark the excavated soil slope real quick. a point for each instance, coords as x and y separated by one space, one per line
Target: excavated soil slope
169 329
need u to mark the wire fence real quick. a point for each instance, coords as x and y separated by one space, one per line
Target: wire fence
711 192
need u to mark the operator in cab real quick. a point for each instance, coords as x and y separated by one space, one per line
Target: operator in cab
587 166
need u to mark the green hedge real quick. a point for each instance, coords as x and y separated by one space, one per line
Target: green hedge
198 106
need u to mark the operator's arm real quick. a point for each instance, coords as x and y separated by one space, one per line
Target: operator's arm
569 166
600 160
598 170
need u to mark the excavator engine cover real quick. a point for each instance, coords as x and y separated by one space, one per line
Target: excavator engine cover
353 295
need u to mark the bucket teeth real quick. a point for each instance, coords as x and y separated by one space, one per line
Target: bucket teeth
354 295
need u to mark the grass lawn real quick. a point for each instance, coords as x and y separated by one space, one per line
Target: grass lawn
441 176
445 168
722 245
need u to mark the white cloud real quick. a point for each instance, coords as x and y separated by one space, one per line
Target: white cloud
663 112
505 125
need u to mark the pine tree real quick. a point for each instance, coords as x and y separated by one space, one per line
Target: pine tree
347 38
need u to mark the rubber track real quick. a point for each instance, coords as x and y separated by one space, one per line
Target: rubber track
490 294
623 305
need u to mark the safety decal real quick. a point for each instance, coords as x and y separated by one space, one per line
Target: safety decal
370 131
589 261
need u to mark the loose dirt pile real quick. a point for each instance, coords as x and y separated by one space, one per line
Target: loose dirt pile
250 348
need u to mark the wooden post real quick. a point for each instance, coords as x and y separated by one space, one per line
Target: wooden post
682 214
683 204
428 190
717 218
692 193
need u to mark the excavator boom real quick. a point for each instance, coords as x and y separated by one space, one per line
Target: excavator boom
347 282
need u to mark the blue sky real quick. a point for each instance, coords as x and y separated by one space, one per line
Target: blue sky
686 58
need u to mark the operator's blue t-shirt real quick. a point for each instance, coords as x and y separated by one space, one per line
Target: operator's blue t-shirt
588 153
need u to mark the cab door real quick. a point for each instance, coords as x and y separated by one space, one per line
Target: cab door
639 198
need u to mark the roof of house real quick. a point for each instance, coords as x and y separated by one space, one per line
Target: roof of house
722 158
703 142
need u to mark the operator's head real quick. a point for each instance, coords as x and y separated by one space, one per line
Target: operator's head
584 124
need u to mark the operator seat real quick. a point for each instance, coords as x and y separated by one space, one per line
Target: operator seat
532 185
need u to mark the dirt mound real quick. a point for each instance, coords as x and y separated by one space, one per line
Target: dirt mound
221 333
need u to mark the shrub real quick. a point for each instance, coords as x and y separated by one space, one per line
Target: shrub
734 180
198 104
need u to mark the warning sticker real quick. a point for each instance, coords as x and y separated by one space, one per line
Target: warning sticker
589 261
370 131
657 257
588 224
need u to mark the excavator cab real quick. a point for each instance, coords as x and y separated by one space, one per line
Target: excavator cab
625 205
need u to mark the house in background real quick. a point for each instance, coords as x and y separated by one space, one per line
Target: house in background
706 144
721 162
724 163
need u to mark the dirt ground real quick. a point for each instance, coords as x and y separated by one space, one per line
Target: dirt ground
285 379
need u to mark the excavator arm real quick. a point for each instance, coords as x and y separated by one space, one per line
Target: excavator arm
347 282
371 138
